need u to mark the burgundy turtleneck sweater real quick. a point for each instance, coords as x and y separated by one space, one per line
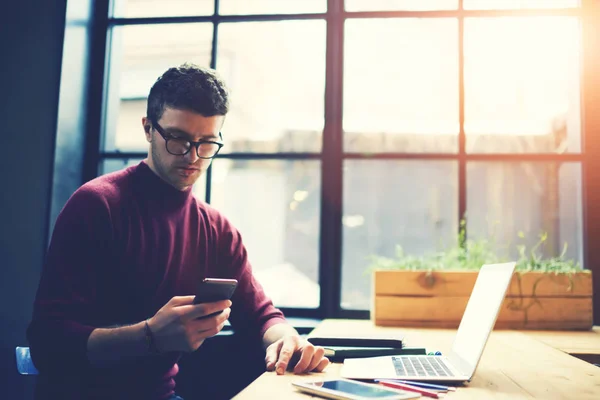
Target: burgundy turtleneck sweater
123 246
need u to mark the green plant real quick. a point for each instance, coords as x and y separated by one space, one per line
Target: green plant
471 254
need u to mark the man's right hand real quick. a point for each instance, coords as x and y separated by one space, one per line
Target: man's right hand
179 326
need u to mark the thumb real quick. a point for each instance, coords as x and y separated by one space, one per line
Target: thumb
272 354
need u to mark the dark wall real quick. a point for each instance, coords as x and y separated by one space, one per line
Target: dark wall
31 41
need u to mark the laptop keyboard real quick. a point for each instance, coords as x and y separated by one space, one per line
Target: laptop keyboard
420 366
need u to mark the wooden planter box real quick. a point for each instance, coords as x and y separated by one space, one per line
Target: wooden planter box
534 300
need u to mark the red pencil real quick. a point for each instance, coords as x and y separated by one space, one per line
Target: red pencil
410 388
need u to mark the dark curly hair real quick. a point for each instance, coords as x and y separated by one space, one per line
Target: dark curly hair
188 87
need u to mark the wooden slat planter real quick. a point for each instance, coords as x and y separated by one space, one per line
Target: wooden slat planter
534 300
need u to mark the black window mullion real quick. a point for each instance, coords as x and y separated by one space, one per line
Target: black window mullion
330 242
97 90
462 160
591 144
213 64
573 11
497 157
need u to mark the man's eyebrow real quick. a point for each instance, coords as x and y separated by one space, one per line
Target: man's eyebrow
189 135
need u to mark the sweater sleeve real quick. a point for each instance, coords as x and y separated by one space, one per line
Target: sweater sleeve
252 311
64 307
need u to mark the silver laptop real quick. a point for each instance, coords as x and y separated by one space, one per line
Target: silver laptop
476 324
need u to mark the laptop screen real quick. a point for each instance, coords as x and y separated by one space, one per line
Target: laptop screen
481 312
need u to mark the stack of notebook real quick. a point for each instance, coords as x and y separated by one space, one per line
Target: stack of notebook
340 348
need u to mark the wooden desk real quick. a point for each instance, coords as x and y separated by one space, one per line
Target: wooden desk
584 344
514 365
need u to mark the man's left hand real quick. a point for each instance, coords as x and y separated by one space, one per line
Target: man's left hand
286 350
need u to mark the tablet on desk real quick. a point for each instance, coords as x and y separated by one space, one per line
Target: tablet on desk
345 389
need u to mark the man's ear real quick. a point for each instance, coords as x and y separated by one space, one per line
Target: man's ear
147 127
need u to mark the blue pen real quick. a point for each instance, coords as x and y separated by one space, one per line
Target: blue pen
426 385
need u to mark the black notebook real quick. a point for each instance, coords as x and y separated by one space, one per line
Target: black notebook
356 342
338 353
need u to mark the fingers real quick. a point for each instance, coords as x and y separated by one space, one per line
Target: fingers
316 359
211 331
205 309
199 330
271 354
177 325
305 359
289 346
310 358
181 300
322 364
209 323
194 311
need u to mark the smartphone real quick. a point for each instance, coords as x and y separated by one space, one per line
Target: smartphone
215 289
345 389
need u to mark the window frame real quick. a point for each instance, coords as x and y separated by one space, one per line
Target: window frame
332 155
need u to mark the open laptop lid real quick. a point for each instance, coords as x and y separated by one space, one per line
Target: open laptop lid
480 316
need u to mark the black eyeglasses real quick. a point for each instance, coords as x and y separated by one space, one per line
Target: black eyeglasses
181 146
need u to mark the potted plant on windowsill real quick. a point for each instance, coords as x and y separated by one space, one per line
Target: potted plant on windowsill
433 290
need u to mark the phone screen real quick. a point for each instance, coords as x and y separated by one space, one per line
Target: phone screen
371 391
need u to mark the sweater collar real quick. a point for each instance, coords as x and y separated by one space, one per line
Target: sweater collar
153 187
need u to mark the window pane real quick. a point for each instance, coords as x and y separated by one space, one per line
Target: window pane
412 204
522 91
276 72
161 8
516 4
275 206
533 198
112 165
272 6
139 55
401 97
403 5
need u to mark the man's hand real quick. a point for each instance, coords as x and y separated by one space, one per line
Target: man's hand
179 325
285 351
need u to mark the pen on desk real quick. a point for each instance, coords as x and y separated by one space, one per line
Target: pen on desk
426 385
438 388
404 386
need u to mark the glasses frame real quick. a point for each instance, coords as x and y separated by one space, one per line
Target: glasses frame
197 144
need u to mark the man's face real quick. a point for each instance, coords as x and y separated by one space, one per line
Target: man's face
179 171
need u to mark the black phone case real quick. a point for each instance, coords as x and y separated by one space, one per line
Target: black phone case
211 292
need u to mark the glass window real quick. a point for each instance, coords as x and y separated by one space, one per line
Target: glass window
509 200
401 95
401 85
516 4
112 165
411 204
403 5
272 6
276 207
276 73
139 55
161 8
522 91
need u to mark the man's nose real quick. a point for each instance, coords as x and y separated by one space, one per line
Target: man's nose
192 155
